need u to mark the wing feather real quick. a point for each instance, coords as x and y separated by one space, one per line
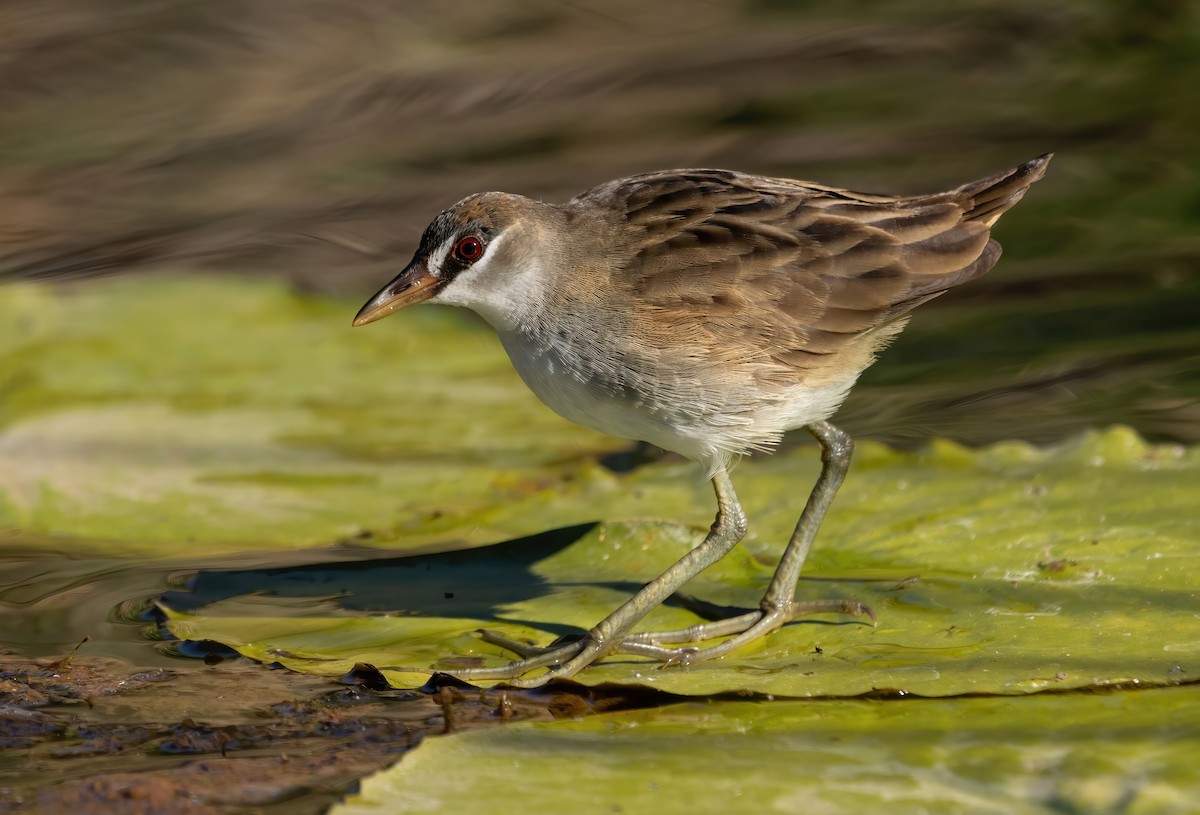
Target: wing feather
799 271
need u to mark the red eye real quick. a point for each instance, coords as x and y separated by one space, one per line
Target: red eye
469 249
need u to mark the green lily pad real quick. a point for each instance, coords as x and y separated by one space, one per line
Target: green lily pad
158 415
1007 571
1130 753
183 417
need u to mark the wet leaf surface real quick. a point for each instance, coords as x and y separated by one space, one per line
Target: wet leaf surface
1075 752
301 433
328 515
1007 571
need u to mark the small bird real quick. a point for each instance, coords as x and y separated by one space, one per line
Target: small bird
706 312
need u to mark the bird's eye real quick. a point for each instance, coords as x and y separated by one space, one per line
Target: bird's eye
468 249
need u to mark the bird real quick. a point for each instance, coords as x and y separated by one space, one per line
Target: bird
706 312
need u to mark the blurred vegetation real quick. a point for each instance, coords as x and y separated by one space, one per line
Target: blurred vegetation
255 136
226 128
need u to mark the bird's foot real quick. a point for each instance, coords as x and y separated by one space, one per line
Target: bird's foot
565 659
562 659
741 630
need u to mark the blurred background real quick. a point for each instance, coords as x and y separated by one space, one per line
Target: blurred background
315 139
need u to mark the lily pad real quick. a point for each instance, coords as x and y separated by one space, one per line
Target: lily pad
183 417
1007 571
160 415
1131 753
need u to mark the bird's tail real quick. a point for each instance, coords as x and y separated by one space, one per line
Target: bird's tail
988 198
965 252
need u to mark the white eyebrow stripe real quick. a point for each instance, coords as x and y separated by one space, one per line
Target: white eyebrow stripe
438 257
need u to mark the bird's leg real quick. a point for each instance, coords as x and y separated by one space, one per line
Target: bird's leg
779 604
607 637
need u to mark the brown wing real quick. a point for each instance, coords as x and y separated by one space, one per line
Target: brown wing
797 269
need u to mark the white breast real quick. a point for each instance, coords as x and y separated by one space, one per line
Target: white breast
574 389
674 412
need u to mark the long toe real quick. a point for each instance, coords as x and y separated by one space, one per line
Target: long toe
804 608
743 628
514 672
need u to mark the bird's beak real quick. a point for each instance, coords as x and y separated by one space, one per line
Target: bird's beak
414 285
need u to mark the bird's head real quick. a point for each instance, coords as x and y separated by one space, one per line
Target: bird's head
482 253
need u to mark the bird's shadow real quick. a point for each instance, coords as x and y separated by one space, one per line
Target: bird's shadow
476 583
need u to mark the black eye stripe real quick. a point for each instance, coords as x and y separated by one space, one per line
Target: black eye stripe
445 235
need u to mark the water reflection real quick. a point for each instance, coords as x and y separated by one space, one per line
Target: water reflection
51 598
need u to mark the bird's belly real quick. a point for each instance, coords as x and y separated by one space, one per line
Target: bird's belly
697 419
581 393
